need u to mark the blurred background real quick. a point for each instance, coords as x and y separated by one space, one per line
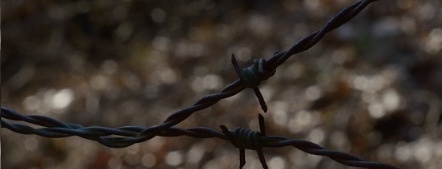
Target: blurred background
372 88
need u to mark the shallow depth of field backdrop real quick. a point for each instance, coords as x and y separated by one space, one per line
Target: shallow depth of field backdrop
371 88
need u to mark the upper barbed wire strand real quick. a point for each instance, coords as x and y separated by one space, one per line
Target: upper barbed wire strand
307 42
342 17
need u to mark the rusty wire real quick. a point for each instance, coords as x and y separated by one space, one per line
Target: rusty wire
252 76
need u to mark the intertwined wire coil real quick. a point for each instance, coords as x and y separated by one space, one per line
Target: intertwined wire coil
261 70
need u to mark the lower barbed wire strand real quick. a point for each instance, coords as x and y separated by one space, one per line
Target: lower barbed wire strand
315 149
111 138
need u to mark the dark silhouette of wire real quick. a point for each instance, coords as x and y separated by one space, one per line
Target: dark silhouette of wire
251 76
267 66
241 138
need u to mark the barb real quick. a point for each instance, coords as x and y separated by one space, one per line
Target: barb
251 76
241 138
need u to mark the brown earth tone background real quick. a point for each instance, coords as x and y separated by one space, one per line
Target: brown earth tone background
371 88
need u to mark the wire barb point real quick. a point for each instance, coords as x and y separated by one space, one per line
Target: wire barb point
243 138
253 75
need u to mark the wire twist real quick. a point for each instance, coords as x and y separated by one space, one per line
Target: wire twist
253 75
243 138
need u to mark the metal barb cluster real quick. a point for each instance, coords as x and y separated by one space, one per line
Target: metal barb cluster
242 138
253 75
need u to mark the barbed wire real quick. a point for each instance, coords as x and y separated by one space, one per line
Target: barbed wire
241 138
251 77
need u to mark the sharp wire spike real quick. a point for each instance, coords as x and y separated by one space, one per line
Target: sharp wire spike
260 99
262 158
262 126
235 64
242 157
227 133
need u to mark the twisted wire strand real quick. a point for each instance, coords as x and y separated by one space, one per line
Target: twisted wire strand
312 148
117 137
307 42
270 66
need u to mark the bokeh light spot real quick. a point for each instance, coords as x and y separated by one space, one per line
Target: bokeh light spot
174 158
277 162
62 98
148 160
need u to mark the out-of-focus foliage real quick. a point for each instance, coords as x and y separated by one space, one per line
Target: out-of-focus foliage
371 88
